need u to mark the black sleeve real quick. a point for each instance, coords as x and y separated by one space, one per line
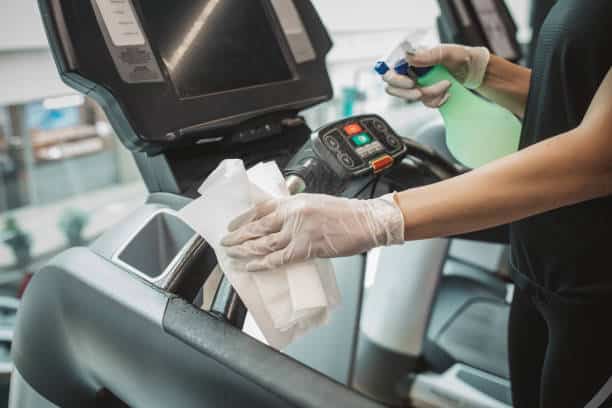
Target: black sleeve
496 235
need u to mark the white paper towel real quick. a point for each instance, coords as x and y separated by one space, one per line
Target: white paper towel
284 302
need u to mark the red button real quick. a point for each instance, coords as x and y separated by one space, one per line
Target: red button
381 163
353 129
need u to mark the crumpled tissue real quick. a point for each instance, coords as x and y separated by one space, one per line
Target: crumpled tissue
286 302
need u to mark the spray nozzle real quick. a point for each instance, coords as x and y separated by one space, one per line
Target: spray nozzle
397 60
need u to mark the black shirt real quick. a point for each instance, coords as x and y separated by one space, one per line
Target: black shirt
567 251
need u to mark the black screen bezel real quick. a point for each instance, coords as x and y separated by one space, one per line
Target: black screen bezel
279 35
150 117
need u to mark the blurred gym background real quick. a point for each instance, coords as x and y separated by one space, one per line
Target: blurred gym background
64 178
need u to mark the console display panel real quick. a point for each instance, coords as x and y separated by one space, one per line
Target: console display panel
212 46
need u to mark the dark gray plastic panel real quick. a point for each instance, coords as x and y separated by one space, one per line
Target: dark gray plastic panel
82 323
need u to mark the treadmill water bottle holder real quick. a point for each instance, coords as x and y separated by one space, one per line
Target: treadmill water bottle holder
155 251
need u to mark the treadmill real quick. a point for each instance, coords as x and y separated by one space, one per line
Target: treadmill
143 317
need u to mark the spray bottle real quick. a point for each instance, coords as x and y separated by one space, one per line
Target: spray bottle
477 131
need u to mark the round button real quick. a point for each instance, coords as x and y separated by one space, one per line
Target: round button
392 140
346 160
378 125
331 142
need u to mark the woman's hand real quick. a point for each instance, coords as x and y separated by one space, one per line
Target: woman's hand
467 64
307 226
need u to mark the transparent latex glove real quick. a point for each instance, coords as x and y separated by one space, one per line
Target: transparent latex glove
467 64
306 226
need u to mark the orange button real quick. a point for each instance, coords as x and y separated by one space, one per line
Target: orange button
381 163
353 129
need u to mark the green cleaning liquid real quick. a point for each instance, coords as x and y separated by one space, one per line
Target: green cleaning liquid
477 131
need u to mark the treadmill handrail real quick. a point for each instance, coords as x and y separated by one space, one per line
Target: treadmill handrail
86 325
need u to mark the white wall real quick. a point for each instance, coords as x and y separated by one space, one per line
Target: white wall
27 71
28 76
366 29
520 10
368 15
351 15
20 25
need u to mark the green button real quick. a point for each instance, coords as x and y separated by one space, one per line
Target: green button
361 139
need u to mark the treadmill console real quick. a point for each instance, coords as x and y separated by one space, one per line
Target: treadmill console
345 156
359 145
193 72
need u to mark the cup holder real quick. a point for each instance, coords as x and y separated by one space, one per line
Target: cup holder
151 251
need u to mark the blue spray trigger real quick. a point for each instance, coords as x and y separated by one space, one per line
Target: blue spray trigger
402 67
381 68
397 59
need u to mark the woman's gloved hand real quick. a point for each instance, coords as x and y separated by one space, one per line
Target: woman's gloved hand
307 226
467 64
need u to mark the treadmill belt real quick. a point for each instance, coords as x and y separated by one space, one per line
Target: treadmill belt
477 336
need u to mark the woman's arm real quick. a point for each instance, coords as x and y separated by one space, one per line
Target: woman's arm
572 167
506 84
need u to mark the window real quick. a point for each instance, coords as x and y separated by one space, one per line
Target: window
64 179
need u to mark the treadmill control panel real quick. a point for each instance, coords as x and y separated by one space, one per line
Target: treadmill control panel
361 144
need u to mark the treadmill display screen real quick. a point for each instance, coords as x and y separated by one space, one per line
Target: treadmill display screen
194 36
488 12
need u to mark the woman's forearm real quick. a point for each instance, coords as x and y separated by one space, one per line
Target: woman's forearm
506 84
570 168
549 175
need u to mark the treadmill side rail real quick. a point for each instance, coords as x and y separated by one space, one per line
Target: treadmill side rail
86 325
